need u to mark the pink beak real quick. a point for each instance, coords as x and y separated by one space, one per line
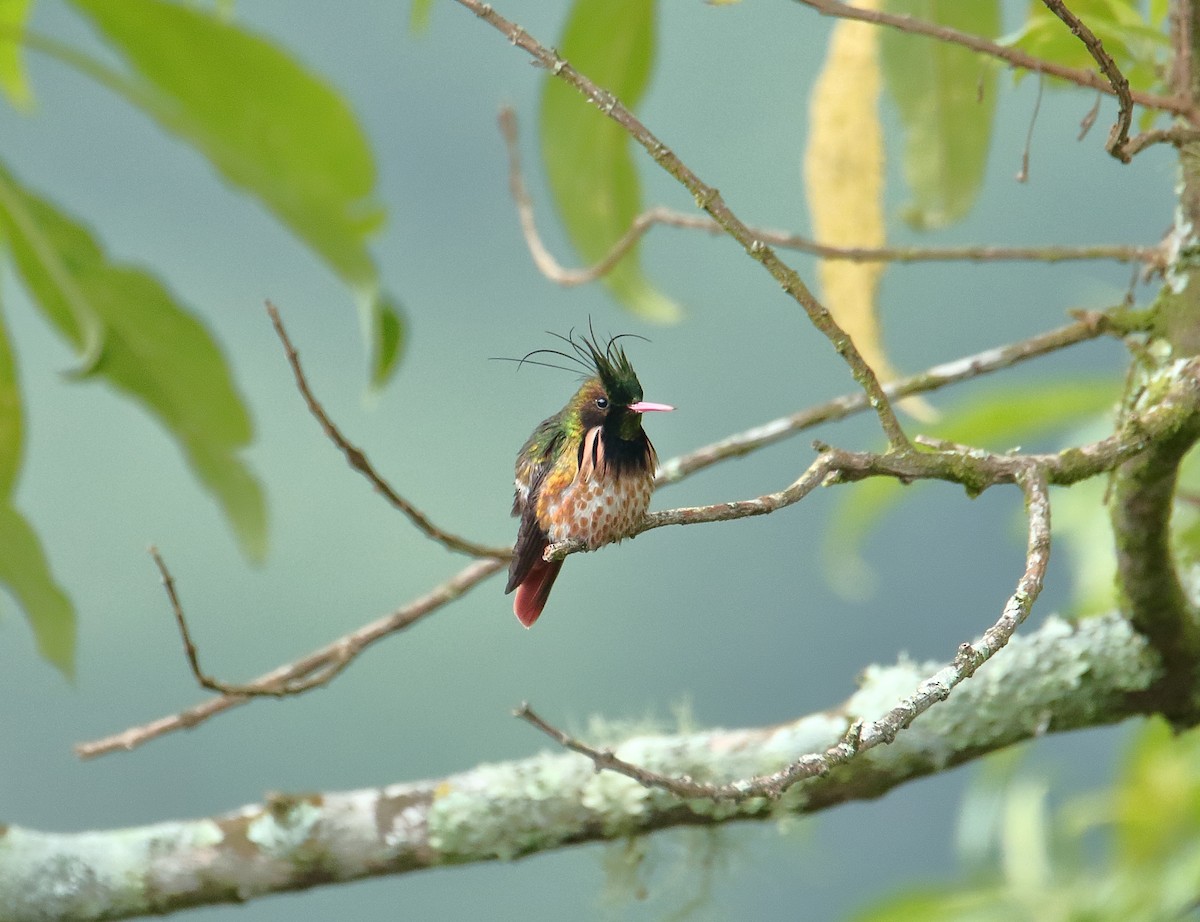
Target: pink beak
645 406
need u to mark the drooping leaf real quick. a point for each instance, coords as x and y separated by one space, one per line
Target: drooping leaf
25 573
13 82
843 182
998 421
587 155
153 349
946 97
77 311
267 124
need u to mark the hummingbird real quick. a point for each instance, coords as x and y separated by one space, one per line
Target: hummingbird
586 473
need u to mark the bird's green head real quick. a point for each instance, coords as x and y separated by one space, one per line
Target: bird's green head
612 394
612 397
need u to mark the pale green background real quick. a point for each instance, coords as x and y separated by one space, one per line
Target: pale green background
737 619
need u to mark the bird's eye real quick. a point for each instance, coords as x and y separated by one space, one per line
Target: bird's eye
602 403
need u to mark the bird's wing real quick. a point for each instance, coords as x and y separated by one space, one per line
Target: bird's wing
534 462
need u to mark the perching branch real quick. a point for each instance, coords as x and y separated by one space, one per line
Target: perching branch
552 269
358 460
708 198
1178 407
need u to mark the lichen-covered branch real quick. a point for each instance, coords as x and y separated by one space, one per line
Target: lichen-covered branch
1151 592
1061 677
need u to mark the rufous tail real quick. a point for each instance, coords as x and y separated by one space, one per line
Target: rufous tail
534 590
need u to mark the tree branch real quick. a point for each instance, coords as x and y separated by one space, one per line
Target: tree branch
326 661
1062 677
708 198
552 269
1118 138
357 460
1151 592
1014 57
1092 325
1177 406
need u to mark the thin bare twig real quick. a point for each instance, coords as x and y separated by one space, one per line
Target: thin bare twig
1023 173
1119 136
552 269
1089 327
708 198
330 659
1177 136
321 674
358 460
862 735
1180 105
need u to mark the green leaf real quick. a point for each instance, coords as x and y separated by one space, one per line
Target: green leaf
946 96
386 338
267 124
25 573
981 905
1139 47
1000 421
76 312
1157 807
418 19
154 350
587 155
11 433
13 16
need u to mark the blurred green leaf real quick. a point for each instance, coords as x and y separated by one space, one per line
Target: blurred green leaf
387 337
13 16
969 906
1139 862
946 96
267 124
25 573
1137 46
418 19
1157 803
998 421
10 416
153 350
77 311
587 155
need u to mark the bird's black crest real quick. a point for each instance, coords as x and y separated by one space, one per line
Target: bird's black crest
609 364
